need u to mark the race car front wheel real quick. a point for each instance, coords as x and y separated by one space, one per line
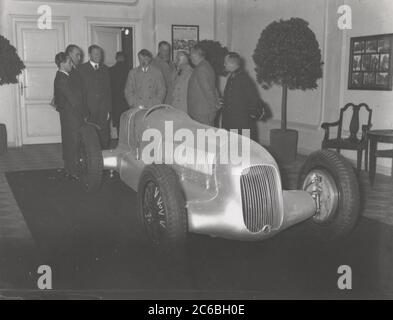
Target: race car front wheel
90 158
331 181
162 208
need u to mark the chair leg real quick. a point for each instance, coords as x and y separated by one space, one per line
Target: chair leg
359 160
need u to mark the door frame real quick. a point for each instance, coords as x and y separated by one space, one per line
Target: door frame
113 31
134 23
14 20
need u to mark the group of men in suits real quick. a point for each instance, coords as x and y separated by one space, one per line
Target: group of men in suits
159 80
86 92
82 92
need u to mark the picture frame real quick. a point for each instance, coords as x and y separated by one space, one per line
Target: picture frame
371 63
184 37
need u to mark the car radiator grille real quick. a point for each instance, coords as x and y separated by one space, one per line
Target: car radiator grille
260 198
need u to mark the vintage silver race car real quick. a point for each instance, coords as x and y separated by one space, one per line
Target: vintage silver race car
234 200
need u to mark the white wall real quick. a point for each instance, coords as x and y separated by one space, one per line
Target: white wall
371 18
200 12
307 110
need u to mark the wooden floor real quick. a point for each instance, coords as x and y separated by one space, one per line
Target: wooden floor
378 200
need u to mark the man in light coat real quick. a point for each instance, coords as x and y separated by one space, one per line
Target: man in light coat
145 84
163 62
202 96
178 98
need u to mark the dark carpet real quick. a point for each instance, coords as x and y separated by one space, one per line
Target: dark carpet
93 243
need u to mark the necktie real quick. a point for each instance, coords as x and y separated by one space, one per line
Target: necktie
96 66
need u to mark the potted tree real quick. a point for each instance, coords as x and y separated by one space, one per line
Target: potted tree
287 54
10 67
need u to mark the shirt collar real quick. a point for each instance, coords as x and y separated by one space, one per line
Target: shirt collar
94 64
65 72
235 73
185 69
160 58
145 69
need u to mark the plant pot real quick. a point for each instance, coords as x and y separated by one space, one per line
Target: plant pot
3 139
283 144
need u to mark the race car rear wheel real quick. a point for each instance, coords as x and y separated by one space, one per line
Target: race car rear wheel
331 181
162 207
90 158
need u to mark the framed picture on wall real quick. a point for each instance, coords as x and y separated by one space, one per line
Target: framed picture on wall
371 63
184 37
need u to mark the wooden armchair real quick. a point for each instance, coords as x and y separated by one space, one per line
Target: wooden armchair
352 142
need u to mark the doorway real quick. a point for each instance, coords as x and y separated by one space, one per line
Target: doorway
39 121
113 39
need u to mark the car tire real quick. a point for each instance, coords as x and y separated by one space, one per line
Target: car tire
90 158
162 208
340 199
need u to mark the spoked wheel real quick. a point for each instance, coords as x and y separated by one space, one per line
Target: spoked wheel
330 180
162 208
154 213
90 158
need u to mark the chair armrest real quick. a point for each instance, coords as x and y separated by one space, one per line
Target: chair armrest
326 125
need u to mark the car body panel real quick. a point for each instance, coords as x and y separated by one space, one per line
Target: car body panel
215 189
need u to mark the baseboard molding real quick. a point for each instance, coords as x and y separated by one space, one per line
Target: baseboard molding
11 144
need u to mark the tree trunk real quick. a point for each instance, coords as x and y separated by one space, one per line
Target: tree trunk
284 107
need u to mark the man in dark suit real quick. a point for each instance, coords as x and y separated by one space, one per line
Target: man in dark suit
240 97
69 103
97 92
76 55
202 95
118 73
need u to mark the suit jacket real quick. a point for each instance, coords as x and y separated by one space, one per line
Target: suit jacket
118 74
69 103
96 91
77 83
202 96
240 101
68 97
145 88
